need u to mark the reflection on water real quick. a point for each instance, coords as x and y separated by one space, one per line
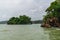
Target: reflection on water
22 32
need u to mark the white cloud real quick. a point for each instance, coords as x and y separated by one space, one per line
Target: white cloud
33 8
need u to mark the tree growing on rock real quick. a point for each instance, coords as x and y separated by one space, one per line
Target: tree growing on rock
53 15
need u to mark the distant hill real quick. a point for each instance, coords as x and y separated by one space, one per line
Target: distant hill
37 22
33 22
3 22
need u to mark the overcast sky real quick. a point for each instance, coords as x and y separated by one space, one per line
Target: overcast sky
32 8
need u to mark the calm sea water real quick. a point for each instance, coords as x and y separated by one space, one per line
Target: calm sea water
22 32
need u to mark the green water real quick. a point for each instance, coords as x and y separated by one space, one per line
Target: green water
22 32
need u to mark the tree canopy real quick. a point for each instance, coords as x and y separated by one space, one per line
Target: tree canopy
54 8
52 18
20 20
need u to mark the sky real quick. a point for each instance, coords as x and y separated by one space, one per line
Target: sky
32 8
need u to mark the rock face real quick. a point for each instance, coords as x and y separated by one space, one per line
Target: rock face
45 25
51 22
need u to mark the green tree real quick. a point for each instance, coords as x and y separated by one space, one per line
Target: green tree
24 19
54 8
20 20
53 14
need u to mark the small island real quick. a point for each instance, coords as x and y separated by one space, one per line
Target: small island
20 20
52 19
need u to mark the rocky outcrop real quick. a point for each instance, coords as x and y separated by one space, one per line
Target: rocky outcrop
51 22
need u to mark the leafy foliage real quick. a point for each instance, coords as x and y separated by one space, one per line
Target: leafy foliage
20 20
54 9
53 15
